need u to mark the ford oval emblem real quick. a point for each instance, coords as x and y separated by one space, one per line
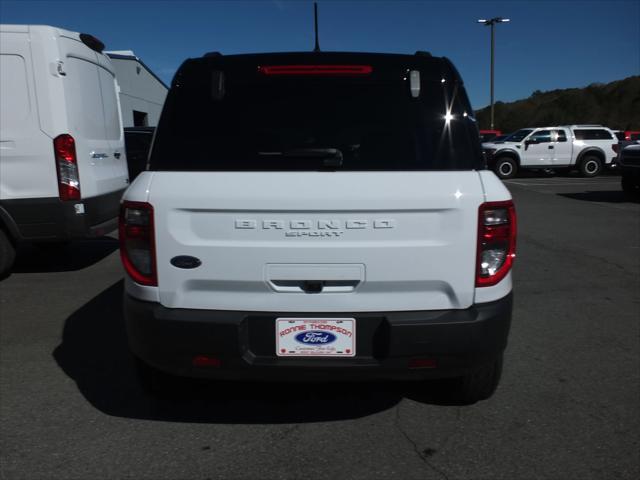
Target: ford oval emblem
315 337
185 261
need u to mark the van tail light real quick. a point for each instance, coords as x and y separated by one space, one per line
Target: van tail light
331 70
496 242
137 242
64 147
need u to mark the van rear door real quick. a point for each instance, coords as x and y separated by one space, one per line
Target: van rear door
87 118
113 118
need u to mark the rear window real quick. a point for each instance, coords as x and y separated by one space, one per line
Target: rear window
593 134
234 117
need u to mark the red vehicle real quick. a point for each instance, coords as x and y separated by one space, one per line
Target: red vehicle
632 135
487 135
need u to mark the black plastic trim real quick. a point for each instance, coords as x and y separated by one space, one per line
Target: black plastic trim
42 219
459 340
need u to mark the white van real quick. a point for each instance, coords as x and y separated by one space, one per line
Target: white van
63 166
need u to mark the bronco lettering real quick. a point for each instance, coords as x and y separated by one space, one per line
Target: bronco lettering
321 224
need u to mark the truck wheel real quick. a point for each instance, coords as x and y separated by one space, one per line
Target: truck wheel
505 168
7 255
590 166
477 385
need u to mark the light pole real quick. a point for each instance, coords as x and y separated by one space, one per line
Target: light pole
492 23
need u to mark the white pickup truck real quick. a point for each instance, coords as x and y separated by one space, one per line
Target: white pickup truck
587 148
318 216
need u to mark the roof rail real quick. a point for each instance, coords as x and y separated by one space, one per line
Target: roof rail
423 53
583 126
212 54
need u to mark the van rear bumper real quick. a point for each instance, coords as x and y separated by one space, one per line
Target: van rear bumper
43 219
456 341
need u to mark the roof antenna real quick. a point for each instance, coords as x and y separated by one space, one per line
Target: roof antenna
315 19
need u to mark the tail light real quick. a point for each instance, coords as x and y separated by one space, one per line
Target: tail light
615 147
64 147
137 243
316 69
496 242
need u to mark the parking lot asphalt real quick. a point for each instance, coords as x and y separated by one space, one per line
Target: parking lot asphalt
568 406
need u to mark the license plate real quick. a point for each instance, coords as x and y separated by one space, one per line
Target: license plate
316 337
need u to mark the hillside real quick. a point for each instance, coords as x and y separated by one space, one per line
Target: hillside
615 105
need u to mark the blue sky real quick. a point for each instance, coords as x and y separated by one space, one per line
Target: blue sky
547 45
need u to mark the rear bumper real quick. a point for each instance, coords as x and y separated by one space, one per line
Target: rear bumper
42 219
457 340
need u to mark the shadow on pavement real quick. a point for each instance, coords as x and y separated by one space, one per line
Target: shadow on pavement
95 354
63 257
606 196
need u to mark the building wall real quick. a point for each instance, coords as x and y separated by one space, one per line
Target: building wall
139 91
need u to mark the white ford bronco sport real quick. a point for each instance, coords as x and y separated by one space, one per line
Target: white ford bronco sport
319 216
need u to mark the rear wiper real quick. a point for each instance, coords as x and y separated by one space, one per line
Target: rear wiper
331 157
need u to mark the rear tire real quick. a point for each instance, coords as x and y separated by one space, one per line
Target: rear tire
505 168
590 166
7 255
477 385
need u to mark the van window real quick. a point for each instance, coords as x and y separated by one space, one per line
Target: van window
235 118
110 101
84 98
14 94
